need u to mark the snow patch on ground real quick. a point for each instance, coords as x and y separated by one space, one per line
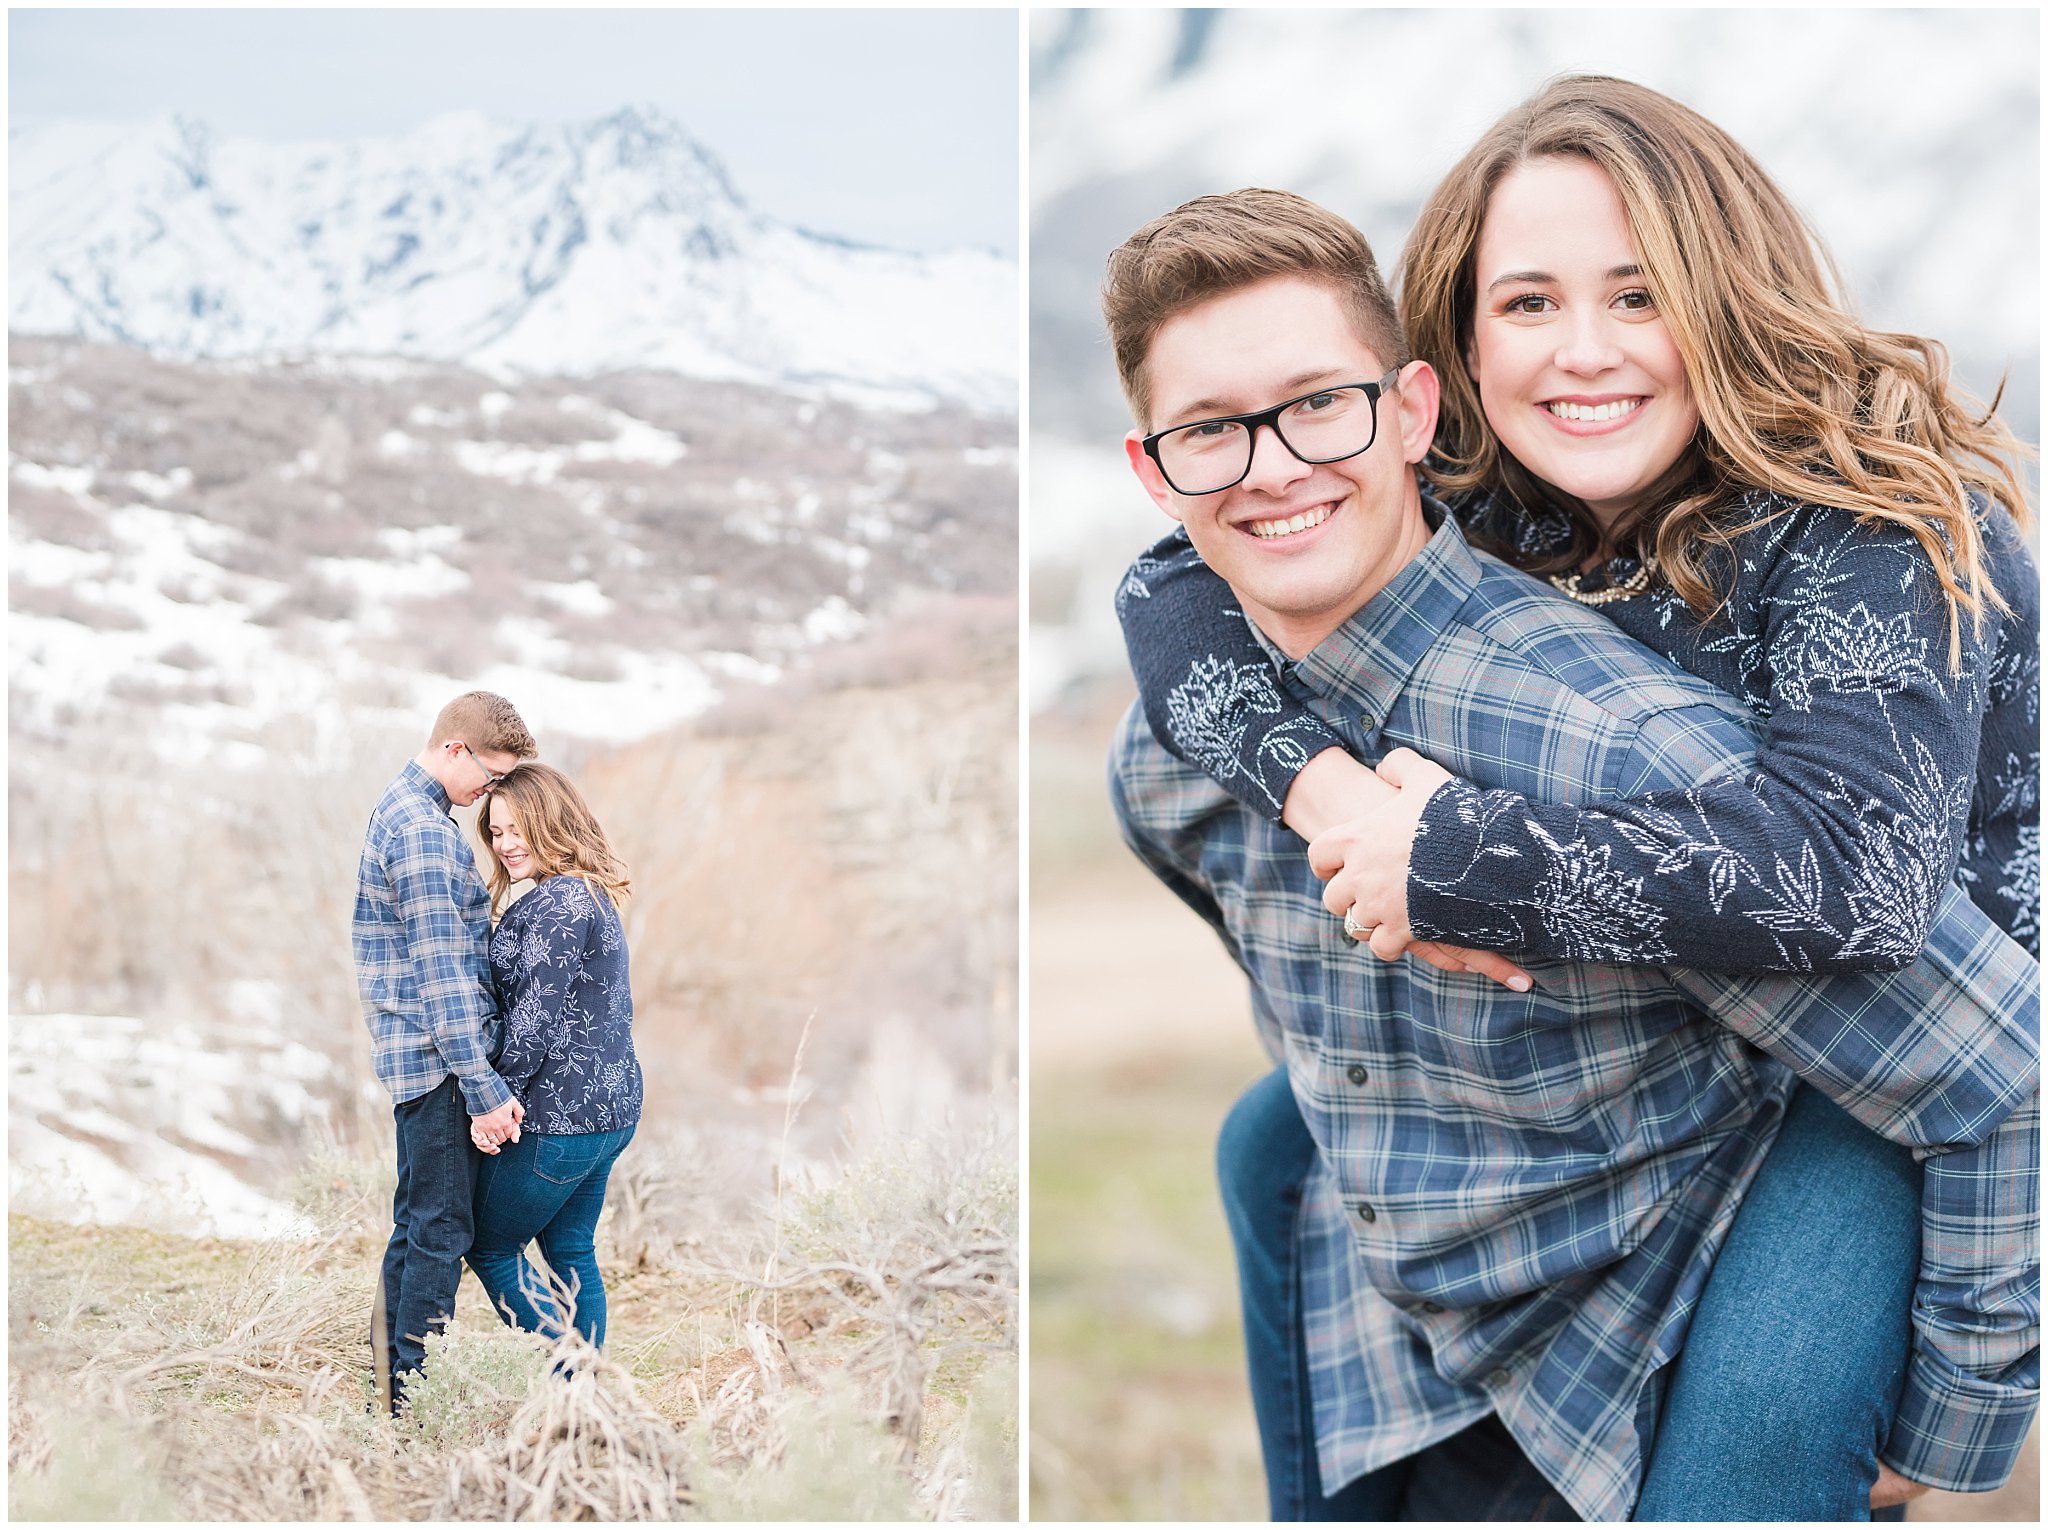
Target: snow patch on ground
583 598
632 441
833 621
653 692
374 578
68 480
112 1119
515 464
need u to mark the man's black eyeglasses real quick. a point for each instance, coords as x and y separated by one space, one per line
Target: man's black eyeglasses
1327 425
491 777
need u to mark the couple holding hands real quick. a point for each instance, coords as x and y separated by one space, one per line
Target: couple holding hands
507 1050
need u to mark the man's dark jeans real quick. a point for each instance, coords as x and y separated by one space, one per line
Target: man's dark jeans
432 1223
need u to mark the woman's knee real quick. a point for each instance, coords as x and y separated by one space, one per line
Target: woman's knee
1263 1152
565 1251
494 1248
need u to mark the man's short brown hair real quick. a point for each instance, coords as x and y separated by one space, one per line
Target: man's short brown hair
484 720
1217 244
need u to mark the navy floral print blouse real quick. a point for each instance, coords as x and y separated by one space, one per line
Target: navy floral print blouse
1882 773
558 958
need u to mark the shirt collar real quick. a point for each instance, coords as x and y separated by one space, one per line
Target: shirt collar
1370 657
417 778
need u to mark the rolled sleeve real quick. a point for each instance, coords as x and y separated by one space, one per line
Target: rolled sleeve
1974 1383
1956 1431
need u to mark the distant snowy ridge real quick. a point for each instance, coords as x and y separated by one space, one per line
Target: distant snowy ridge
576 249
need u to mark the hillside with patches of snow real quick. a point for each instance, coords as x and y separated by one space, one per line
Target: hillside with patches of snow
176 1126
576 249
201 548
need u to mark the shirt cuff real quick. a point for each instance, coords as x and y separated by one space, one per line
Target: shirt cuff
1958 1431
484 1090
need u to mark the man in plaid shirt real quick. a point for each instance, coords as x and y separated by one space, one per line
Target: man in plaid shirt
421 928
1518 1196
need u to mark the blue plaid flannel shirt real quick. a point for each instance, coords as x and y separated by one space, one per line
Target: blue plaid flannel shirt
422 924
1519 1197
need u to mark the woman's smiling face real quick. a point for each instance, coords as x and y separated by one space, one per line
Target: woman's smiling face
509 843
1578 375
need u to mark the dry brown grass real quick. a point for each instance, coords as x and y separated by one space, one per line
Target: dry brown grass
861 1376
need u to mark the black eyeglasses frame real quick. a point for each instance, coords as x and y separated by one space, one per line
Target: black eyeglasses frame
1374 391
491 777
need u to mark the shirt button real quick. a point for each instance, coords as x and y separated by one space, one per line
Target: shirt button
1367 721
1355 1073
1366 1213
1497 1379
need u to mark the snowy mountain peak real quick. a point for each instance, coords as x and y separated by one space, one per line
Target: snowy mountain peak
189 146
645 136
608 244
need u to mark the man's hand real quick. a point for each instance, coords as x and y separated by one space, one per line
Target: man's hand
1890 1488
1365 863
500 1125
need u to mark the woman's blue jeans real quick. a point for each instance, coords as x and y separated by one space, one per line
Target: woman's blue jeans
1790 1371
548 1189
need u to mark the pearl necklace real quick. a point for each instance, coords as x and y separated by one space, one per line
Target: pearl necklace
1628 589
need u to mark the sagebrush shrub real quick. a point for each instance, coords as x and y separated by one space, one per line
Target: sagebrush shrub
473 1381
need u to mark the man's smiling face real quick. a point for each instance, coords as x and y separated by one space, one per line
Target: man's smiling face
1303 546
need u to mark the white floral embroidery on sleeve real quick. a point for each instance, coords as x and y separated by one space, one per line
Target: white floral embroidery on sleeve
1209 712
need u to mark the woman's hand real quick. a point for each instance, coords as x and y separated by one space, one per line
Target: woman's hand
500 1125
1464 959
1364 862
1890 1488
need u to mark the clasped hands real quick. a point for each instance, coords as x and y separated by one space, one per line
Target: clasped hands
498 1126
1363 862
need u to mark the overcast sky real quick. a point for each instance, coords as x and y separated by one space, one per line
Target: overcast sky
895 127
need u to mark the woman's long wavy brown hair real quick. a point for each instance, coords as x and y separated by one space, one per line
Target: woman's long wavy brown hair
560 831
1795 396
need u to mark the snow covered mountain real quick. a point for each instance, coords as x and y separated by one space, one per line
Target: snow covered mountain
576 249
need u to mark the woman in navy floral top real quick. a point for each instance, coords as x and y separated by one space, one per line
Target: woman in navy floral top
558 959
1653 399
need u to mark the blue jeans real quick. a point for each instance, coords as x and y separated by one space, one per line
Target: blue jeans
1832 1225
1792 1367
431 1221
1262 1158
549 1188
